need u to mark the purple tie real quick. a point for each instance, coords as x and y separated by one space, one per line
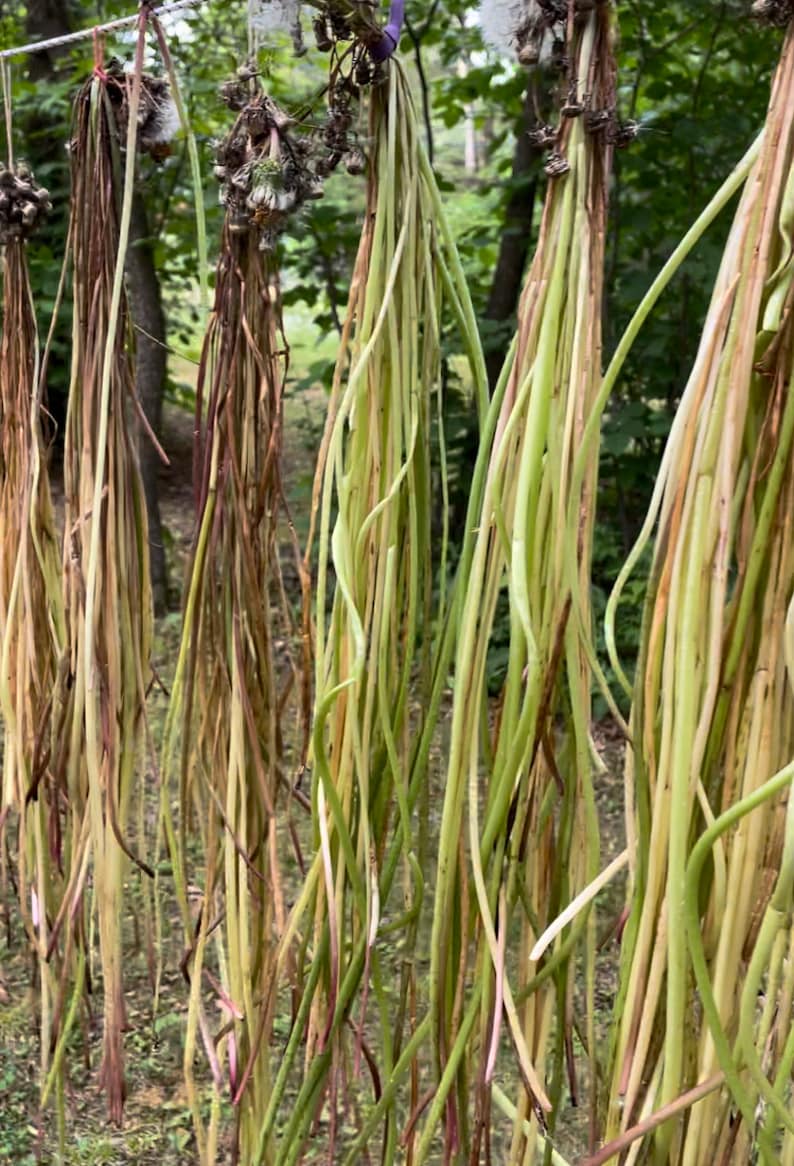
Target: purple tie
390 36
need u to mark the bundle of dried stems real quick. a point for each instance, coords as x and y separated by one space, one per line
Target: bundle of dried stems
536 844
100 695
707 976
236 679
32 623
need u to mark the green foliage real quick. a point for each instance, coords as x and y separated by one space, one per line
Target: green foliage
696 78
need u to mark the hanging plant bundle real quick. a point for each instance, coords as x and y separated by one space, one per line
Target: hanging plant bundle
25 506
231 695
532 830
704 1014
99 701
361 897
31 607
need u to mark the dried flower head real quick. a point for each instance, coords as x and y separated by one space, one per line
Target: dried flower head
557 165
542 136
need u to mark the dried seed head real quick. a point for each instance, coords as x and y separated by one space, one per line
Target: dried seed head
622 133
572 108
321 35
233 95
597 120
778 13
314 189
264 170
542 136
557 165
355 160
23 204
529 53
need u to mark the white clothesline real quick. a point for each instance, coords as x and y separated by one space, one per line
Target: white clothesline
57 42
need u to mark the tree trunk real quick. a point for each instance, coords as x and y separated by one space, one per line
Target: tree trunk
143 289
506 283
514 243
45 19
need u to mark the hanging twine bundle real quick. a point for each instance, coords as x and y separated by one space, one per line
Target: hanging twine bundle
99 703
707 976
231 694
31 610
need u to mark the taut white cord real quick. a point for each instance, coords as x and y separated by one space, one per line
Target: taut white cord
57 42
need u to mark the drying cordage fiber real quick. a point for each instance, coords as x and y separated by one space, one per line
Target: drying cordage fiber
519 788
98 708
236 684
707 975
362 895
31 609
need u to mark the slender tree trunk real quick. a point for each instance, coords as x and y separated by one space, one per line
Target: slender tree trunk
506 284
514 243
45 19
143 288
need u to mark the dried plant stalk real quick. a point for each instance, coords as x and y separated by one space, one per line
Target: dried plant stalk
233 684
373 713
536 844
105 560
32 622
713 720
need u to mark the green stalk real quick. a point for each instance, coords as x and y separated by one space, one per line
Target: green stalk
195 164
732 184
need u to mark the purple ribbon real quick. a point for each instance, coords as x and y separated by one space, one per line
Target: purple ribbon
382 49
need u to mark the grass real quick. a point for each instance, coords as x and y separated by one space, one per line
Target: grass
157 1128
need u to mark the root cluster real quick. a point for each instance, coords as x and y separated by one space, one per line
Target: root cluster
23 204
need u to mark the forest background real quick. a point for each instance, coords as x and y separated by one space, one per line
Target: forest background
694 75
